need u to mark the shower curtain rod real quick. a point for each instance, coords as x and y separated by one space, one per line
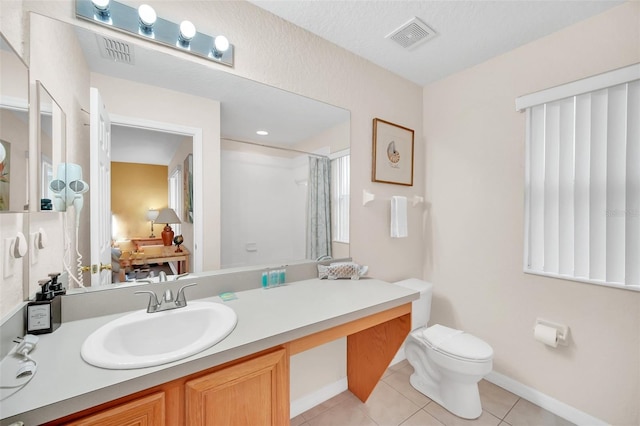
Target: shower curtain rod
277 147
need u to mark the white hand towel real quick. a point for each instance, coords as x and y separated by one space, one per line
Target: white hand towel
399 217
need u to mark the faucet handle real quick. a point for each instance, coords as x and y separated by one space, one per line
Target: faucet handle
153 300
181 300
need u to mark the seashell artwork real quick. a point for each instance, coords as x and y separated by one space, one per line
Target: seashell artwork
392 153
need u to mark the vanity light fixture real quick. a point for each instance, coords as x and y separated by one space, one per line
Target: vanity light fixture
143 22
147 17
262 133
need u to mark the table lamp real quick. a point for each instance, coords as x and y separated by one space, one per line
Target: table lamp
167 216
152 215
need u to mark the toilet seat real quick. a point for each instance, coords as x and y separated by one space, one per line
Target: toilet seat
455 343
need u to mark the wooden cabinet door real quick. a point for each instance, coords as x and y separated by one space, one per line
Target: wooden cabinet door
252 392
146 411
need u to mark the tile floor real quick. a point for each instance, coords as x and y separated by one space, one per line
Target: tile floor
395 402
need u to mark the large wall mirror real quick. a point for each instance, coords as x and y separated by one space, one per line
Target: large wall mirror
183 136
14 130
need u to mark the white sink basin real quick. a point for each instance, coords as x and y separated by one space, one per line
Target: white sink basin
141 339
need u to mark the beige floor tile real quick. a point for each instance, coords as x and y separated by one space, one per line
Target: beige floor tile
496 400
525 413
387 406
328 404
346 413
422 418
399 380
297 421
485 419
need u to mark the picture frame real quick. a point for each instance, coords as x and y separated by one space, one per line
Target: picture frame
392 153
187 183
5 175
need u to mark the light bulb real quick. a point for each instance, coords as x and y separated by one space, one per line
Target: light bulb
187 31
262 132
147 15
101 5
221 44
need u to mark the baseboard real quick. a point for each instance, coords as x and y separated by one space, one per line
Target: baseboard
307 402
545 401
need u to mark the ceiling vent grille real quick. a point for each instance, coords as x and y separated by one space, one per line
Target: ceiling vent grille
412 34
115 50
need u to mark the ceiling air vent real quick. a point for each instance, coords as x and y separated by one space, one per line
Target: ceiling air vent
115 50
412 34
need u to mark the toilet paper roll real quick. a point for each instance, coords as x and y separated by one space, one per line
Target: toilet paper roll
545 334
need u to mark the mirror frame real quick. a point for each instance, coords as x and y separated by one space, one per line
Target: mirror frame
57 143
23 105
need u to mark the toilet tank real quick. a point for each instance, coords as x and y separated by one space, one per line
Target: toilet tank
421 308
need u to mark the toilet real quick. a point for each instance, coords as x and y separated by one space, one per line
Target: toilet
447 363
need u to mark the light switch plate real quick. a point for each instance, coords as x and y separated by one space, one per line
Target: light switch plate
9 260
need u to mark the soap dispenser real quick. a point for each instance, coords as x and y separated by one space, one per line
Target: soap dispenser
44 315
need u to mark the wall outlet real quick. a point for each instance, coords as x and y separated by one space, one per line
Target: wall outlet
9 260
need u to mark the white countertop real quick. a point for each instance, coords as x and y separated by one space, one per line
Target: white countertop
65 383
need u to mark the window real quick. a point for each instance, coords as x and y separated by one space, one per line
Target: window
175 196
582 195
340 196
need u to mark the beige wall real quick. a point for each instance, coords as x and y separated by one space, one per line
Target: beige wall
475 174
135 188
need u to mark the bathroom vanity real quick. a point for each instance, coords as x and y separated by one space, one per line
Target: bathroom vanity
242 379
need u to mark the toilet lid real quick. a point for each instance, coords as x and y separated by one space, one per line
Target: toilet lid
457 343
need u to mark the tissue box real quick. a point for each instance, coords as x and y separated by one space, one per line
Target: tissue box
341 270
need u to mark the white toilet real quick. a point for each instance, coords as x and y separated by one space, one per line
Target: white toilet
448 363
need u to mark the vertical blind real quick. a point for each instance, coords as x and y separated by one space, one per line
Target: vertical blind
340 198
582 206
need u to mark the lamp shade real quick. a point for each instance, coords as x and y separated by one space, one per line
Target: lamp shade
152 214
167 216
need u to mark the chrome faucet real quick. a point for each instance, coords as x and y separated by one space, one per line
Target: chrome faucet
167 302
162 276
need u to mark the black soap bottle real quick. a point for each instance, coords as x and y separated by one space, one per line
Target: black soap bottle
44 315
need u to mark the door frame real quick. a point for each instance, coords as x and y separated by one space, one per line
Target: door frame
195 264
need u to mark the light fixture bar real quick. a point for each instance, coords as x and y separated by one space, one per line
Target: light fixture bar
126 19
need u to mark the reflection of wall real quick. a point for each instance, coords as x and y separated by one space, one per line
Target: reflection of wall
336 138
135 188
262 206
49 259
475 166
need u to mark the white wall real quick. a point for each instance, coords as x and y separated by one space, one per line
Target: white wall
474 229
261 205
11 292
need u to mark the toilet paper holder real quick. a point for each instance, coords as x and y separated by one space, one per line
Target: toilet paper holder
562 331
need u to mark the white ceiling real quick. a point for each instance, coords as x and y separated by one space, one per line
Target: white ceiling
468 31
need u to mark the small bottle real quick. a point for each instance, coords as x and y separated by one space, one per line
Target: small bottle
273 278
282 276
265 279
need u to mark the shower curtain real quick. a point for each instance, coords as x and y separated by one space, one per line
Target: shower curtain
319 208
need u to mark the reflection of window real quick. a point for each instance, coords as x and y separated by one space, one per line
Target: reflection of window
175 196
47 176
340 196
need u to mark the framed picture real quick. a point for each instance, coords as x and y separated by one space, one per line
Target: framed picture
392 153
188 188
5 163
